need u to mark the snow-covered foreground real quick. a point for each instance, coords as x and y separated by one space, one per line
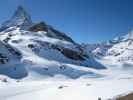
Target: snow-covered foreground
113 84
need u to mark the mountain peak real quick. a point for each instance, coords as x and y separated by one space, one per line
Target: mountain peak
21 8
130 35
19 19
21 13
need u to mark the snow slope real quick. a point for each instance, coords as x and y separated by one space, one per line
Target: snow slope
10 61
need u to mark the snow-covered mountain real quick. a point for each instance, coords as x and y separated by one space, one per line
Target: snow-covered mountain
98 50
43 50
122 50
118 50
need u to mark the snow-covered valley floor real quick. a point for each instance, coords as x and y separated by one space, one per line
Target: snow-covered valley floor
115 82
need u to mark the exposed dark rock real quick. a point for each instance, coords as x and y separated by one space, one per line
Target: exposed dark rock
3 79
59 35
6 39
46 69
72 54
3 59
52 33
39 27
30 46
126 97
17 41
13 51
67 52
62 67
62 86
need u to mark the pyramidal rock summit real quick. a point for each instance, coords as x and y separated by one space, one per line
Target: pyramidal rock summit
19 19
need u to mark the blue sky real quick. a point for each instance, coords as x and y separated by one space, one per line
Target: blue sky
87 21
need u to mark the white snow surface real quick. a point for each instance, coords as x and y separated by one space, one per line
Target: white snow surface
116 82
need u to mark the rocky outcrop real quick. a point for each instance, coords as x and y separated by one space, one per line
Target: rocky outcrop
50 31
3 59
39 27
71 54
67 52
59 35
